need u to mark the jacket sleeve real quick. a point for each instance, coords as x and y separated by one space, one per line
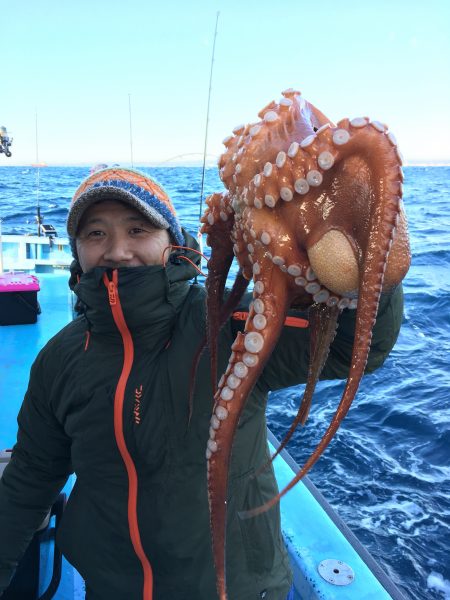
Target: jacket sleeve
288 364
38 469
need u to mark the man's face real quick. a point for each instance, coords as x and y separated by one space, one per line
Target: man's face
112 234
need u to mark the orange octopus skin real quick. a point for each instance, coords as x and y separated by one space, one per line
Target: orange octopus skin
313 215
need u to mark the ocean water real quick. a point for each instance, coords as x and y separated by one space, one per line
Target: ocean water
387 472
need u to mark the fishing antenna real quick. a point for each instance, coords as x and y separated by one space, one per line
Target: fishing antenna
207 121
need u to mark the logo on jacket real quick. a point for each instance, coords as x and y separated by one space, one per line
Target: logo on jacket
137 405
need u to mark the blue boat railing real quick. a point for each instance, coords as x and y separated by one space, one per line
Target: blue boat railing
314 532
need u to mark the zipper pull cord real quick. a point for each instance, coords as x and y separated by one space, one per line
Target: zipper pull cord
111 287
112 293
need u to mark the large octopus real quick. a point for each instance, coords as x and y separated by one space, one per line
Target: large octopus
313 215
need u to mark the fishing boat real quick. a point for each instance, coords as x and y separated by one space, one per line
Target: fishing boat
327 560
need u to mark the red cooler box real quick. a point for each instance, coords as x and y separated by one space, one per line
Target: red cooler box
18 298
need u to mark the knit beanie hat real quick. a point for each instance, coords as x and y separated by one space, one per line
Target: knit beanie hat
131 187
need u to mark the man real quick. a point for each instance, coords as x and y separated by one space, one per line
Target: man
108 398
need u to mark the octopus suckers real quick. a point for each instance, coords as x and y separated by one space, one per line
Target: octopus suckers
281 159
294 270
301 186
308 141
332 301
314 178
301 281
268 169
344 303
379 126
221 412
258 306
238 129
257 180
293 149
258 203
269 200
391 137
250 359
286 194
265 238
270 116
240 370
259 322
358 122
310 275
312 287
254 342
278 260
323 128
321 296
212 445
233 382
341 137
255 130
259 287
325 160
226 394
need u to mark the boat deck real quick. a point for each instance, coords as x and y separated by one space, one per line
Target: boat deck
312 531
19 345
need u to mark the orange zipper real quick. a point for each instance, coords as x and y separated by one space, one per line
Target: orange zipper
119 319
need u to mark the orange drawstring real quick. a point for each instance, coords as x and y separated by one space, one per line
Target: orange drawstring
199 271
88 338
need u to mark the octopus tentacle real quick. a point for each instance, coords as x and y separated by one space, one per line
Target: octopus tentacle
323 322
323 326
239 286
250 353
218 222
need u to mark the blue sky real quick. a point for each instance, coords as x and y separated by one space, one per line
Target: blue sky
75 63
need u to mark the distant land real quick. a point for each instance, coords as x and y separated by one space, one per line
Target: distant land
211 162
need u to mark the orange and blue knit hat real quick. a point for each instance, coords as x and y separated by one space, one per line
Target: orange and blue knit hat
133 188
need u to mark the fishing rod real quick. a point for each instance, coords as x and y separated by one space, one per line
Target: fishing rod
38 175
131 131
199 235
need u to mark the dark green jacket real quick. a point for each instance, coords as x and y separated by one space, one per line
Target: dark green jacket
66 424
